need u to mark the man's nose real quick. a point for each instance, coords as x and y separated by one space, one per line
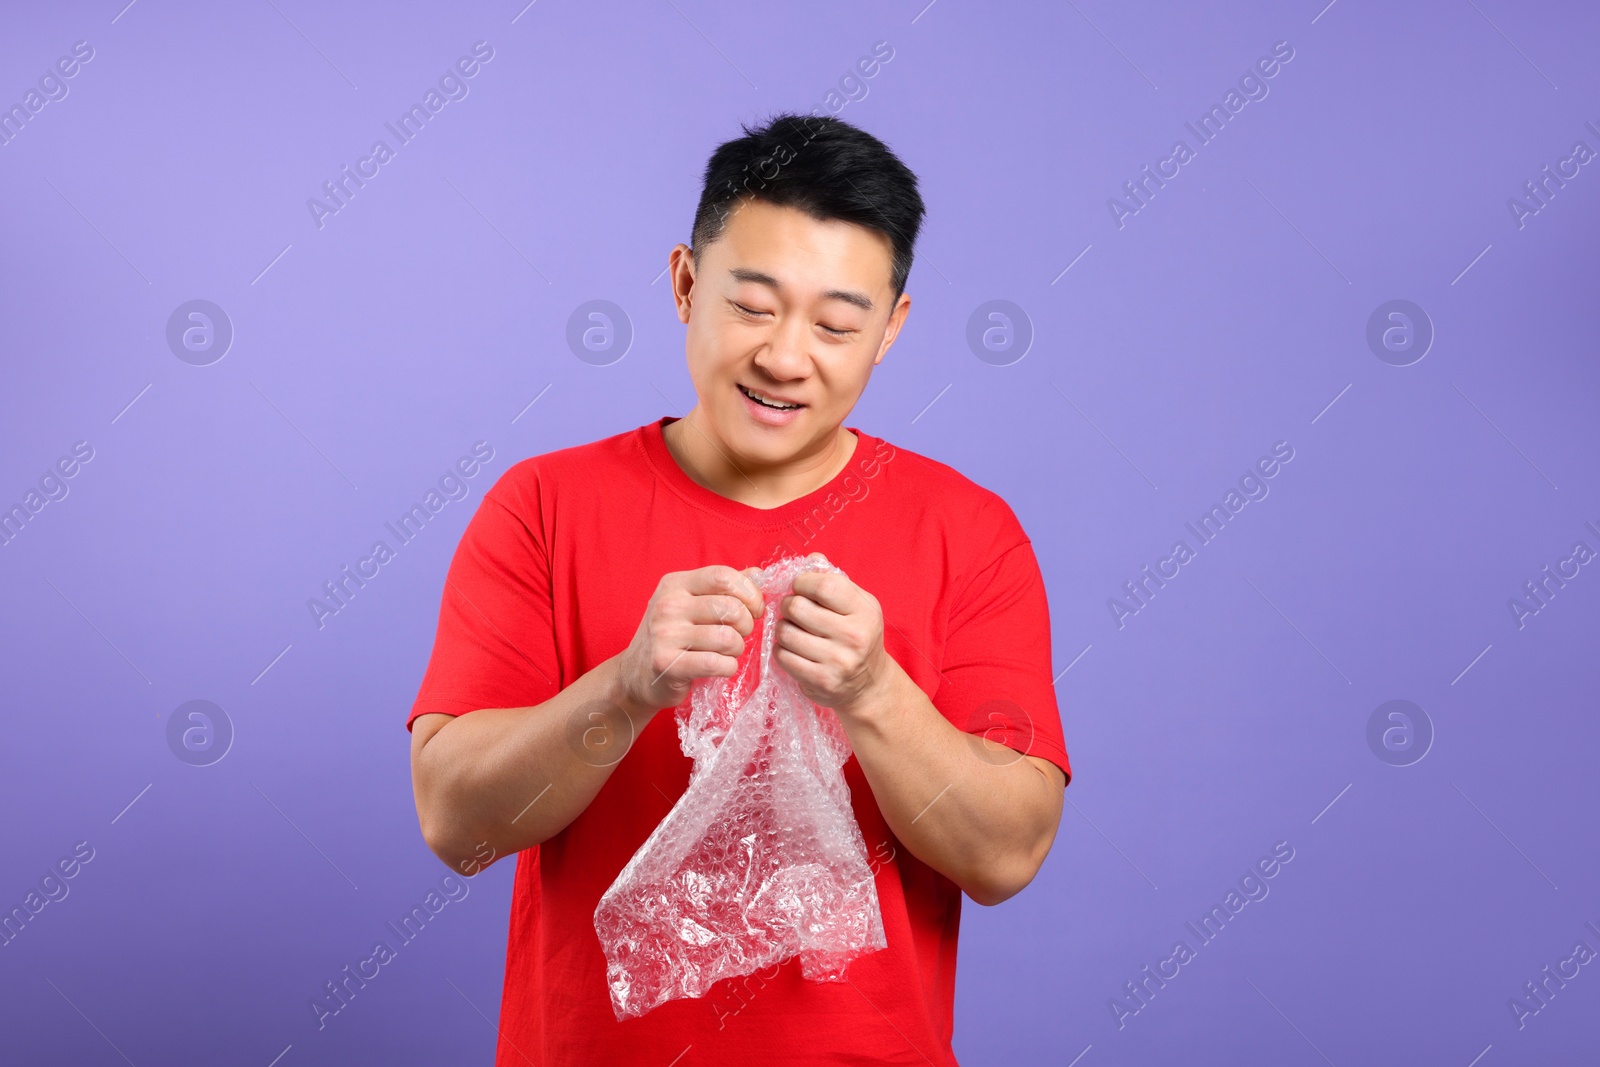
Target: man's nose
785 355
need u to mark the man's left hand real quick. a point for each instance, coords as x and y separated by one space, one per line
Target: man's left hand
830 640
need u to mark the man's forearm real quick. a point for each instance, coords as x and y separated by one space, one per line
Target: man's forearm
494 782
982 815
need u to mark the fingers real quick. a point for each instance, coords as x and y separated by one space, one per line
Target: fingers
687 666
723 639
725 580
831 590
803 613
720 609
801 642
793 664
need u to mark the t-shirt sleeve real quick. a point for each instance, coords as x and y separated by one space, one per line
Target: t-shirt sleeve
495 646
995 677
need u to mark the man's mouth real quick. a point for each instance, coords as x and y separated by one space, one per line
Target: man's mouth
766 401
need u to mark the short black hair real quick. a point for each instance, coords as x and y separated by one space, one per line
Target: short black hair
825 167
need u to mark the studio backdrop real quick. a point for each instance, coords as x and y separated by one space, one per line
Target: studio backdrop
1275 323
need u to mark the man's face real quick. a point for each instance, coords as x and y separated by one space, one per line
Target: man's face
784 310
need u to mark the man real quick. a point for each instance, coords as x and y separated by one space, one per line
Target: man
594 584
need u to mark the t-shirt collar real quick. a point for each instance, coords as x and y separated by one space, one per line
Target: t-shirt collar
666 467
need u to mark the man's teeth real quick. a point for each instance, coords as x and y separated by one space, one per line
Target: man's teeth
764 402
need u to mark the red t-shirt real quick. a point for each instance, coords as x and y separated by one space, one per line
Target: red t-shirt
552 576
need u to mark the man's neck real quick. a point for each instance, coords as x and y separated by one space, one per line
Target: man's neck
709 463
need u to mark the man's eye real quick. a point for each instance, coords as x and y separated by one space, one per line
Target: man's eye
756 314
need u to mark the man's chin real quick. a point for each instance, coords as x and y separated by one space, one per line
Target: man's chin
768 444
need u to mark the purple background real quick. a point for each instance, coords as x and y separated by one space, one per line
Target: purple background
1228 314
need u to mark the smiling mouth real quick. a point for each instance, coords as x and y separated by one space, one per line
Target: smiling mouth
768 402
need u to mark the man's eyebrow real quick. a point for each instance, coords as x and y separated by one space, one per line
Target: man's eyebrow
849 296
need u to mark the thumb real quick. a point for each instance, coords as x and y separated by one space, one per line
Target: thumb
754 574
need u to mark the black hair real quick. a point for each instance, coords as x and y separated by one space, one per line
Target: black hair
825 167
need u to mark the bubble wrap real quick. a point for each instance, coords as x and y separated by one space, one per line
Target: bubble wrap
761 858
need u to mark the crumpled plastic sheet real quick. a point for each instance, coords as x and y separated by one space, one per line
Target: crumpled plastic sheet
761 859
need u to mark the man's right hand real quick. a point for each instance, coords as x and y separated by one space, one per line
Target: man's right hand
694 627
476 777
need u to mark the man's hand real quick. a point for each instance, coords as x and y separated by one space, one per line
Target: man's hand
694 627
501 780
830 639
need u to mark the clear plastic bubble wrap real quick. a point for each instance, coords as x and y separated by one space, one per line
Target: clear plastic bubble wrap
761 858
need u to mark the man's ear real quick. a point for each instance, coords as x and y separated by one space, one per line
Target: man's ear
897 319
680 272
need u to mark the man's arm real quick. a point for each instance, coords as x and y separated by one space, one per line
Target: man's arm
982 815
493 782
